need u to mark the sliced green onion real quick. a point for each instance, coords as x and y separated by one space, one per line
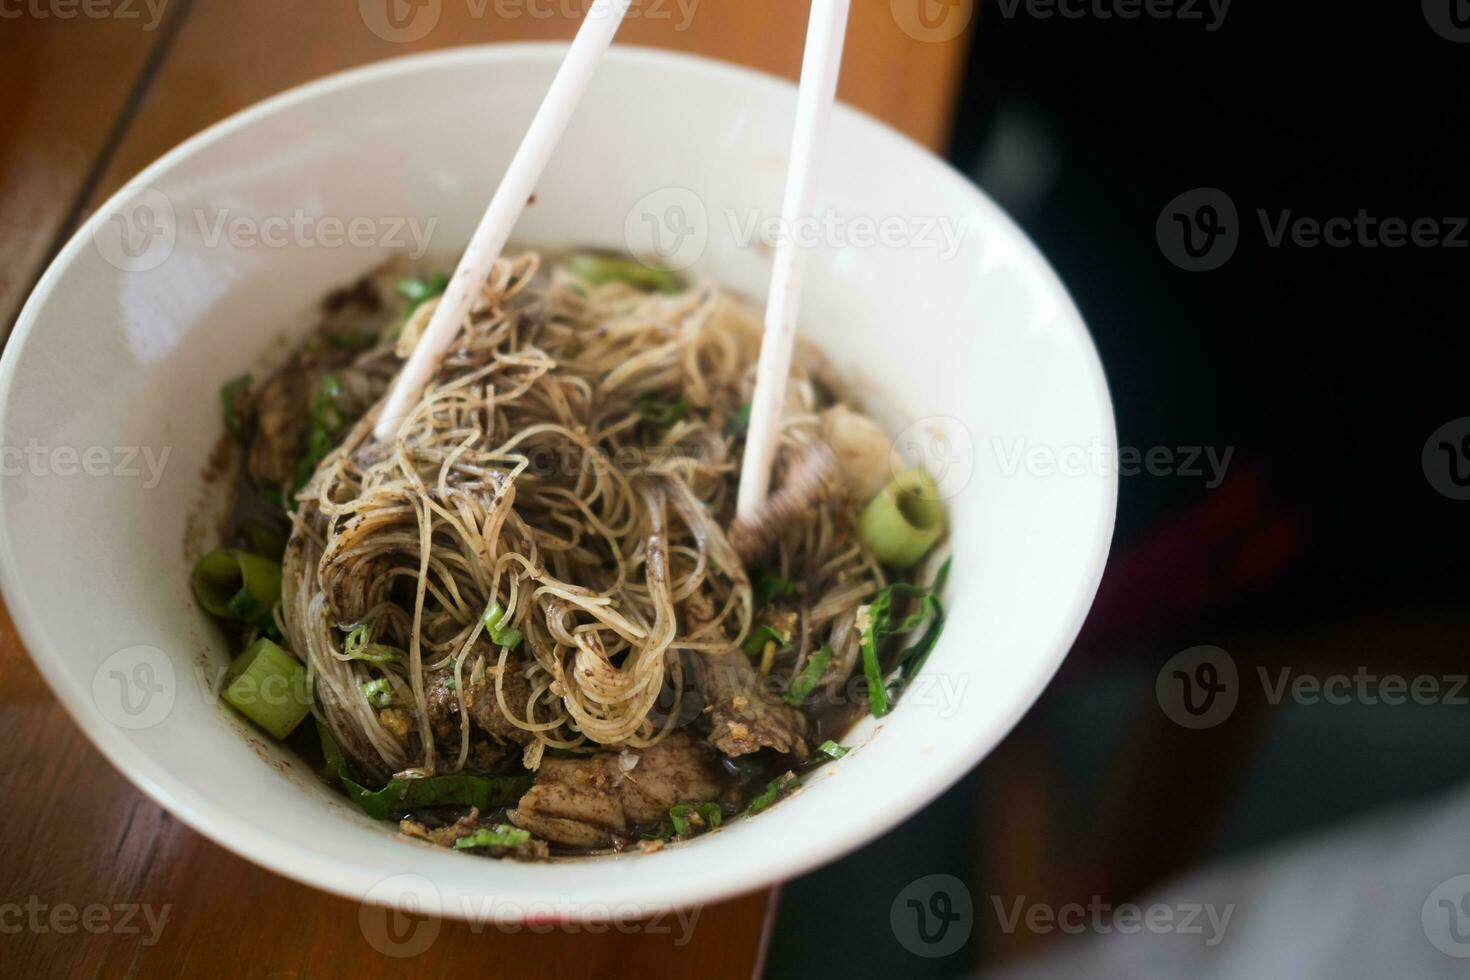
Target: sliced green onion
755 643
500 634
329 424
832 750
776 789
769 587
501 835
736 424
269 686
229 397
904 521
662 411
379 692
806 681
416 291
692 817
486 793
357 638
599 269
235 584
351 339
359 646
875 624
872 670
265 541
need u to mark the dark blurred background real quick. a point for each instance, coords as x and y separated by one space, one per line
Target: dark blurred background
1332 546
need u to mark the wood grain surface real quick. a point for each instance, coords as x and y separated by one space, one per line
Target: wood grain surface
95 879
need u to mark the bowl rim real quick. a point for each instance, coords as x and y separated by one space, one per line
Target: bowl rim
353 882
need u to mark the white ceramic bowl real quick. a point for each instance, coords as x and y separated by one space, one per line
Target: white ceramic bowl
166 293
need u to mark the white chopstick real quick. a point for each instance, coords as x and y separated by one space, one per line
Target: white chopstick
821 64
516 188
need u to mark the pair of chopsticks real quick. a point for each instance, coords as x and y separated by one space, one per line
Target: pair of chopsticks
821 63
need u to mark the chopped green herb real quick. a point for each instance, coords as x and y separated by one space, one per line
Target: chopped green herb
461 789
689 818
359 645
875 624
501 835
769 587
736 424
351 339
417 291
599 269
329 424
229 397
806 682
832 750
776 789
755 643
495 620
379 693
662 411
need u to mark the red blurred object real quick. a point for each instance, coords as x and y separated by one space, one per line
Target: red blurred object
1233 541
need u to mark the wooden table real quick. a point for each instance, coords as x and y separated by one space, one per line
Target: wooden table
94 91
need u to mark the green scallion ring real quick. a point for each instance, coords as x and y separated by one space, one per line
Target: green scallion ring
904 521
235 584
269 686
